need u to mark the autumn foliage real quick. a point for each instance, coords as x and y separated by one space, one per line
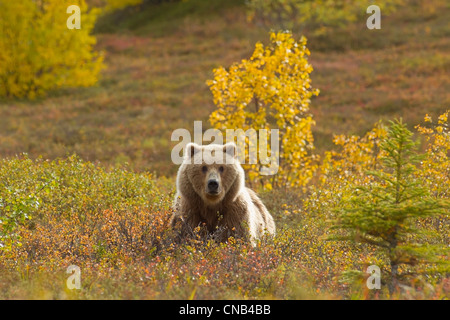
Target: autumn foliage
335 215
271 90
113 224
39 53
384 212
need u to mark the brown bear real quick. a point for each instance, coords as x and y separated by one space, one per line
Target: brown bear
211 194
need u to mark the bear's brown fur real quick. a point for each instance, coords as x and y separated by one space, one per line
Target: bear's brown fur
211 194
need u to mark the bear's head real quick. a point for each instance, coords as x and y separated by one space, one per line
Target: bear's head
212 172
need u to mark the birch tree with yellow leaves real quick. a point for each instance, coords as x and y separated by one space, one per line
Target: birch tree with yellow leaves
271 90
39 53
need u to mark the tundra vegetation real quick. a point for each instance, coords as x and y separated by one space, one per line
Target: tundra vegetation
85 175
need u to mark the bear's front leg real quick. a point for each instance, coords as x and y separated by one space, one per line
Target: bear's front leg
235 221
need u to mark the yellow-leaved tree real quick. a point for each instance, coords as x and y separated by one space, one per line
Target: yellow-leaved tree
435 173
271 90
38 52
436 165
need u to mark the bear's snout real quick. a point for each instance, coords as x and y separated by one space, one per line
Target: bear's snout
213 186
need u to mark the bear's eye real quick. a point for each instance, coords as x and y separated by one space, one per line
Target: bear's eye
221 169
204 169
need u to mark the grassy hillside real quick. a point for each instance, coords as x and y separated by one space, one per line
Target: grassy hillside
158 60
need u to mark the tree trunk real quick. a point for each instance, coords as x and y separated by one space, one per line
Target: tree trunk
393 277
393 260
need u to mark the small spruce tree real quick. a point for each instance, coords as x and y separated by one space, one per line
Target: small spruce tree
383 213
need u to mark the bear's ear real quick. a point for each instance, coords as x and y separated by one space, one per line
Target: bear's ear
230 149
192 149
